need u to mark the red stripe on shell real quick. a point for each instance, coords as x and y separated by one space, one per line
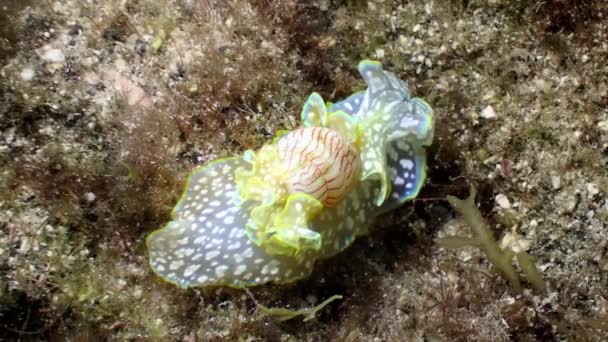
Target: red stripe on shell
318 154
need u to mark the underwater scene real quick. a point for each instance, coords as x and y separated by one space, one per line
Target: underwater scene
289 170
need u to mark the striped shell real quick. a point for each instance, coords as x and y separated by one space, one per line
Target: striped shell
320 163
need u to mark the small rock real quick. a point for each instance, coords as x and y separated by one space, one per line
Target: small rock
556 182
503 201
137 293
488 113
27 74
489 95
324 6
53 56
26 245
592 189
89 197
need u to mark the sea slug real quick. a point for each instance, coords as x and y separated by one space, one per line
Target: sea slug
268 215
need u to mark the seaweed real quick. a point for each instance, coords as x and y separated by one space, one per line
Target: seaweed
283 314
483 239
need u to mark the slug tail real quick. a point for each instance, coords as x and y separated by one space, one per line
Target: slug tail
206 245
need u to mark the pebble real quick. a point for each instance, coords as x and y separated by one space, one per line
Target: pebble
27 74
89 197
488 113
592 189
53 56
503 201
556 182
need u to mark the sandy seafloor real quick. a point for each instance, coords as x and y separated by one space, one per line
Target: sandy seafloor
105 106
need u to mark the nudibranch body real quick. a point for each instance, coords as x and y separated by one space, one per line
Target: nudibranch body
268 215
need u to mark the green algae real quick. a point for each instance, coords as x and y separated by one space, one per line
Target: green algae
283 314
483 239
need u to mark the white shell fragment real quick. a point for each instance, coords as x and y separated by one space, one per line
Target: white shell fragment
488 113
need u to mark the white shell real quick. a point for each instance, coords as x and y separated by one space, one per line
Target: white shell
320 163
